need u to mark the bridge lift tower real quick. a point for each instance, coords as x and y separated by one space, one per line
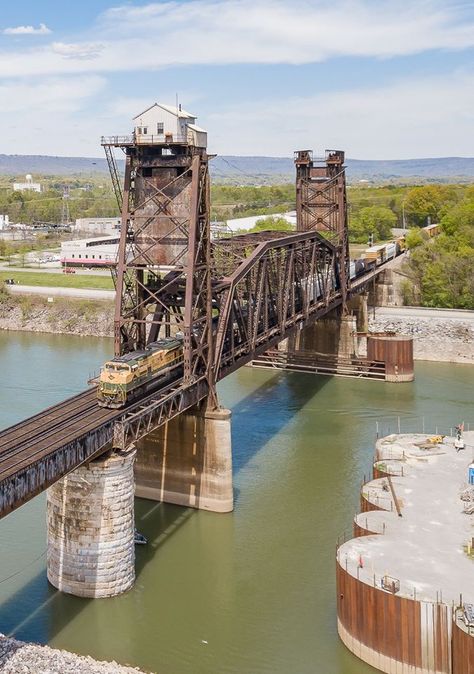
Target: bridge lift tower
163 273
321 204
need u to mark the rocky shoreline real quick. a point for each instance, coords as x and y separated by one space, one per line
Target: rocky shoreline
17 657
89 318
441 339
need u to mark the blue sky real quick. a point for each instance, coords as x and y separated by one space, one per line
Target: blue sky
378 78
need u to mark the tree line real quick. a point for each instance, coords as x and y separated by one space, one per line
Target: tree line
441 270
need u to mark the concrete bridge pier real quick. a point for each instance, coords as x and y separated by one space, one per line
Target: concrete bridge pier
188 461
90 513
358 306
333 335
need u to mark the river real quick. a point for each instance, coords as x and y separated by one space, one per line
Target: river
251 592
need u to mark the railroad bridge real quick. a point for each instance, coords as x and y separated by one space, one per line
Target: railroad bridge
232 299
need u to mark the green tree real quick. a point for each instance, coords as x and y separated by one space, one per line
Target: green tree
427 201
414 238
442 268
459 220
376 220
275 223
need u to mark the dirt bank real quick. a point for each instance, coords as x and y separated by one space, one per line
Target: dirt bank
62 316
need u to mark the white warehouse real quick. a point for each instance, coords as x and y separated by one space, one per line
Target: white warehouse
162 123
29 185
96 252
98 225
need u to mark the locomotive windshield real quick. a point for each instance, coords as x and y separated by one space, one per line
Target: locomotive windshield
116 367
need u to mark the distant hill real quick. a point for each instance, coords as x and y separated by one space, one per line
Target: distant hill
261 170
36 164
268 169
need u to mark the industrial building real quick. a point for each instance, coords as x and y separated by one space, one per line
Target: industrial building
96 252
28 185
102 226
235 224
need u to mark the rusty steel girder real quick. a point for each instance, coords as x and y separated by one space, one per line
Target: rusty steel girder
281 284
163 272
321 203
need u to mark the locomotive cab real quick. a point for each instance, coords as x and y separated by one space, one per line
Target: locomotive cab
126 378
113 381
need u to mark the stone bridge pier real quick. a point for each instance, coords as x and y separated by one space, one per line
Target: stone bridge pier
90 518
90 512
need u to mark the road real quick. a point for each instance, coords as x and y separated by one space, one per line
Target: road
422 312
54 270
48 291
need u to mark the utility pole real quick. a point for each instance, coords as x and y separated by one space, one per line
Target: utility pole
65 217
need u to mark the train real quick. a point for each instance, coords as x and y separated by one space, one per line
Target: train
127 378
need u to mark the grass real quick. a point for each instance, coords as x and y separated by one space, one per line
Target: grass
58 280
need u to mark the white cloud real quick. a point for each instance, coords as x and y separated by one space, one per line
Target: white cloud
84 50
168 33
413 118
51 88
28 30
49 95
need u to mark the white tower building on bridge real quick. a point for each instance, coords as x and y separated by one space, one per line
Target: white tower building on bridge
162 123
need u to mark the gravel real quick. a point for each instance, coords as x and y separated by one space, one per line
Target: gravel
436 339
17 657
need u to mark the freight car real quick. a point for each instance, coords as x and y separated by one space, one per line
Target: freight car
431 230
128 377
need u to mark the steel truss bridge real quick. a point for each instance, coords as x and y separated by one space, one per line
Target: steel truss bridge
232 299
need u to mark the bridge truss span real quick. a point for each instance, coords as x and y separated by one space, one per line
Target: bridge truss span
284 281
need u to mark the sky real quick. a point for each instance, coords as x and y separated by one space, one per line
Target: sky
381 79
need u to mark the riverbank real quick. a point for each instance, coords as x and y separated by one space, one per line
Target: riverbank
66 316
440 335
17 656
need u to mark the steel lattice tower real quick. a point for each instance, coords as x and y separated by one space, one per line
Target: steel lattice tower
163 277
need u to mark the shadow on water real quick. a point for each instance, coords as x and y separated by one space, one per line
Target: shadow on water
157 521
278 400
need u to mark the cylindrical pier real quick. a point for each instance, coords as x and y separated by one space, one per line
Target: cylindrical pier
396 351
90 512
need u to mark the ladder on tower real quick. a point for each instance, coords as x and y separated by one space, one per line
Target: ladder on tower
114 174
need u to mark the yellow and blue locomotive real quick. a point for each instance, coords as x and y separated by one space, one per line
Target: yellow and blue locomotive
128 377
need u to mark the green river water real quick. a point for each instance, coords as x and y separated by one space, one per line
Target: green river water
251 592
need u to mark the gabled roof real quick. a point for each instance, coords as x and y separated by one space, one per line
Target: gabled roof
195 127
169 108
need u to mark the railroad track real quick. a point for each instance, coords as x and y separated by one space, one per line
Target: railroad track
79 416
33 439
50 418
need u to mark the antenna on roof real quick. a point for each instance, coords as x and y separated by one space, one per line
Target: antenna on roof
177 117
